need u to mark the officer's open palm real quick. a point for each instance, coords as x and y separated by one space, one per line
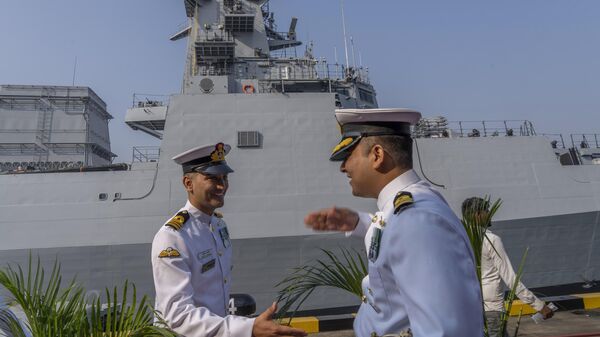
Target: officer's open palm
332 219
547 312
265 327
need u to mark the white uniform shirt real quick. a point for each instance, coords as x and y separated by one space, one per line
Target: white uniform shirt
495 269
192 285
424 276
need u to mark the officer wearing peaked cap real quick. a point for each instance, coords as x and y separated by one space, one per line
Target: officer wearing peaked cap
422 279
191 257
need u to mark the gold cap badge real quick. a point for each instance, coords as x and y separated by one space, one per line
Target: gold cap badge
219 153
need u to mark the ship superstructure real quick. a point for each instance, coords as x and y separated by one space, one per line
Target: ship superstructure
245 85
53 127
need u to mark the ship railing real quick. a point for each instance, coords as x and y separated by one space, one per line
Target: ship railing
284 53
213 72
317 70
490 128
577 140
145 154
149 100
585 140
28 167
557 141
583 149
215 34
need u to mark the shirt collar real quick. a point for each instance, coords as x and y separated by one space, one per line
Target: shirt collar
197 214
390 190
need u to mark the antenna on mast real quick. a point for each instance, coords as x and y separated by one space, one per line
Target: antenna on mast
360 64
74 71
353 54
335 54
345 40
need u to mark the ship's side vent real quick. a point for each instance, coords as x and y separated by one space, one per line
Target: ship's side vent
249 139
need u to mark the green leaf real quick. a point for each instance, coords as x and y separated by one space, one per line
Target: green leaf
346 274
56 311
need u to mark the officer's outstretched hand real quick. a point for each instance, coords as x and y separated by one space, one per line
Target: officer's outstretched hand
265 327
547 312
332 219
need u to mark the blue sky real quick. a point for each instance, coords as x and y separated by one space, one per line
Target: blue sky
463 59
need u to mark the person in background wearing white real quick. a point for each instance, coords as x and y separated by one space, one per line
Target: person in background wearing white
496 269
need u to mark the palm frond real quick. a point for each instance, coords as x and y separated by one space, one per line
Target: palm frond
9 324
50 310
344 273
512 294
475 221
54 311
124 316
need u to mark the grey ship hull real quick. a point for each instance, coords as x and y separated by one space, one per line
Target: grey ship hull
553 209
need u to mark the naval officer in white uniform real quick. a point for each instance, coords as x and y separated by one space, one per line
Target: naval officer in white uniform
422 279
191 257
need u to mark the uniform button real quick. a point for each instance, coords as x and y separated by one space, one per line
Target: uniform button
224 280
220 253
364 299
373 334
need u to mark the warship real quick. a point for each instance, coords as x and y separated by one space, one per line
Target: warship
244 84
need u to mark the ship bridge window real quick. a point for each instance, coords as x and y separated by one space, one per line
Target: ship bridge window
366 96
343 91
249 139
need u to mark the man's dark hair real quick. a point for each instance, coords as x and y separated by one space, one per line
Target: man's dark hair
398 147
475 204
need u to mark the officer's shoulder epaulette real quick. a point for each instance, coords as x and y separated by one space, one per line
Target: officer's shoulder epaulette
218 215
178 220
402 201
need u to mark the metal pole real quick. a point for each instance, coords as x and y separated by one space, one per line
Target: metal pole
562 140
461 130
484 130
345 39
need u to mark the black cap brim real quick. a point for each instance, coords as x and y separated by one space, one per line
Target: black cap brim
344 148
212 168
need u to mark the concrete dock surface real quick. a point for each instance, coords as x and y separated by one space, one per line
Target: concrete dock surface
575 323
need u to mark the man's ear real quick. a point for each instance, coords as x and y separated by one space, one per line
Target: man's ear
377 155
187 183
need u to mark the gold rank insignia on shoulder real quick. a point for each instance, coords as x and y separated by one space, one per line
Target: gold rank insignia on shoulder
402 201
169 252
218 215
178 220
